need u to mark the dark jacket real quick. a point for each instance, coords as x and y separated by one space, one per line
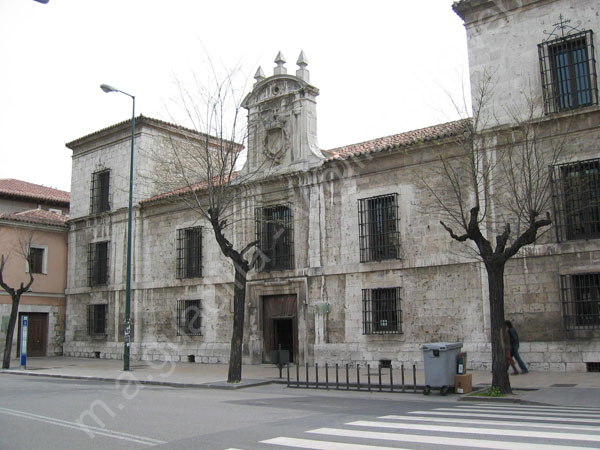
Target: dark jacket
514 337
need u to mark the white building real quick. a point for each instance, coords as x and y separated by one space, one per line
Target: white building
360 269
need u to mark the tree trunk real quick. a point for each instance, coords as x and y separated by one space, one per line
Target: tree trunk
496 291
239 301
10 331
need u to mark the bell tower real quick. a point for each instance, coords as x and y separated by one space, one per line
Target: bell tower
282 121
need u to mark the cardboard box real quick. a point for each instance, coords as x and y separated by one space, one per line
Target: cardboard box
463 384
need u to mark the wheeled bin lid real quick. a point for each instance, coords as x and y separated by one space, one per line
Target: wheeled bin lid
441 346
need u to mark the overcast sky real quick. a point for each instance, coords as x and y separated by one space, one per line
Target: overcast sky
382 67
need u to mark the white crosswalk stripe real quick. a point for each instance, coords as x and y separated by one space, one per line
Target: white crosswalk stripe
503 427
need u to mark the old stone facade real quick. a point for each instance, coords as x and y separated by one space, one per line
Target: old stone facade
357 267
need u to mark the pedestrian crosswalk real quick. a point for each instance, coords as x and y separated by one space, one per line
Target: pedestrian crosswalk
480 425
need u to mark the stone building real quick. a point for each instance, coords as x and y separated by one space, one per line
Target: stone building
355 266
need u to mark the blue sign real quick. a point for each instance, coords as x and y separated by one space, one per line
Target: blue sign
24 326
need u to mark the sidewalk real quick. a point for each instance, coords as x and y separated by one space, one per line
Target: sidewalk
566 389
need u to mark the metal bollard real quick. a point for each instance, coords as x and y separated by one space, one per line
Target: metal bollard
403 383
415 377
317 375
306 375
347 380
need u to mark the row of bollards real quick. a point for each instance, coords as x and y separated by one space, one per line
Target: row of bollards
354 385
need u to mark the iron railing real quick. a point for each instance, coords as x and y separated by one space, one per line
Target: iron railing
353 379
378 228
576 199
568 70
275 236
189 252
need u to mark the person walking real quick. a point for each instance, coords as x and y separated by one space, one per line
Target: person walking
510 362
514 346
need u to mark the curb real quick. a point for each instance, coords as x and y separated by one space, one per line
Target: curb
209 385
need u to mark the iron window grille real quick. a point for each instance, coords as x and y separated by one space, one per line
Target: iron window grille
99 193
97 320
378 228
189 252
36 260
189 318
576 199
568 69
98 263
275 236
381 311
580 295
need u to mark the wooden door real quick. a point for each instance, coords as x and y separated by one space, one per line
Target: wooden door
280 325
37 334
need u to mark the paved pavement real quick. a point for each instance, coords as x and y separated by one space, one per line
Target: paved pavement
554 388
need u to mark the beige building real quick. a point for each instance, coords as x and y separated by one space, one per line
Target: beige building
356 266
44 229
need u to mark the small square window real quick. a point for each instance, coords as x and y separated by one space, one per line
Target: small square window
98 263
568 71
580 295
576 195
378 228
189 318
99 193
381 311
36 260
275 236
189 252
97 319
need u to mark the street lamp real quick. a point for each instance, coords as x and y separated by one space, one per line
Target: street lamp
127 339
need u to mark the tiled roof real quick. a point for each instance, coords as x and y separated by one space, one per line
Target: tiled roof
408 138
37 216
139 120
182 190
432 133
12 188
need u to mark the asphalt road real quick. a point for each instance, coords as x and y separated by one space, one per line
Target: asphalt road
43 413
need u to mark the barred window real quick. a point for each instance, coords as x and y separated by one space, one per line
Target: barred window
275 236
189 252
189 318
378 228
97 319
580 295
381 311
99 194
576 198
568 72
97 263
36 260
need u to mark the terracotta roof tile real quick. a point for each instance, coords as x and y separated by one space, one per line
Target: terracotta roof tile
185 189
399 140
10 187
37 216
427 134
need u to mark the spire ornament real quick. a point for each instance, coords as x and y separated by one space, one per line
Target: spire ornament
280 61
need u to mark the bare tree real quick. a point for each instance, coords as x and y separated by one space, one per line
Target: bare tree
22 251
204 174
497 194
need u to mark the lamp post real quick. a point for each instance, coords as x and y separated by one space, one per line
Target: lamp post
127 339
